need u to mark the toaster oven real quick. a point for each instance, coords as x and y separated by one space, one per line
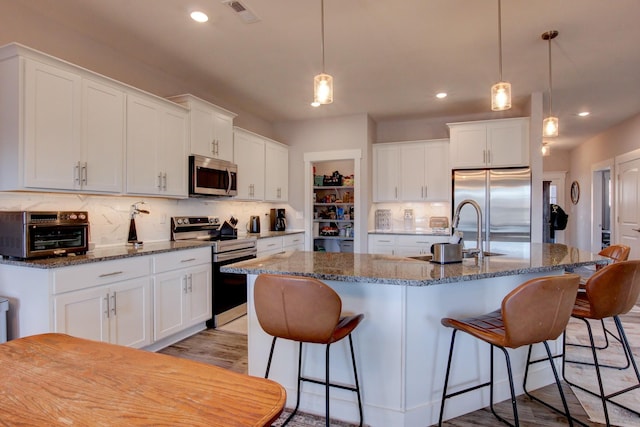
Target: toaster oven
37 234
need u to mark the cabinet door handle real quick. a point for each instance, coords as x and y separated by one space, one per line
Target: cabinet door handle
396 192
489 156
190 281
188 260
164 181
184 283
159 180
106 300
217 145
84 173
113 309
76 172
113 273
213 145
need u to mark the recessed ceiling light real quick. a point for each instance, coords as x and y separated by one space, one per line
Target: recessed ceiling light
441 95
584 113
199 16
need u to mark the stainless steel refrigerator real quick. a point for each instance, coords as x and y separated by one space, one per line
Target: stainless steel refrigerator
504 196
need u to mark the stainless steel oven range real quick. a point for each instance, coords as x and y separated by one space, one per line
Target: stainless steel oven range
229 290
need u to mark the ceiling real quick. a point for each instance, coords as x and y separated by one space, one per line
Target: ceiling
388 58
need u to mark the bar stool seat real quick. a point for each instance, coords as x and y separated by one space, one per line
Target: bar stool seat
305 310
535 312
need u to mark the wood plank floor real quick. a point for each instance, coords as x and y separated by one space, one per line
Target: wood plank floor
229 350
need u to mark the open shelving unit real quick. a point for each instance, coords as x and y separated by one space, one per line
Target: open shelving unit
333 217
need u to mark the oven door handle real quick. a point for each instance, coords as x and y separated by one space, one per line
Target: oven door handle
226 256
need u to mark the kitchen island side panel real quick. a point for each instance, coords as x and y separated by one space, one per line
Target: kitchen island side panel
401 352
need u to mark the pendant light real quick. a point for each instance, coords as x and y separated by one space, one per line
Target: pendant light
322 83
501 91
550 124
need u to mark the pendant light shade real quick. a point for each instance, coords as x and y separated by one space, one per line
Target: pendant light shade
551 124
501 91
323 89
322 83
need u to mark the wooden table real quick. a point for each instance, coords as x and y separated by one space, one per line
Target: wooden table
55 379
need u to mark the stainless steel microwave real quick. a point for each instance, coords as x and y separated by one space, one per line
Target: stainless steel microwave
29 234
212 177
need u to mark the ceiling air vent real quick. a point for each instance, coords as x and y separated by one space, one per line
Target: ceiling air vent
242 11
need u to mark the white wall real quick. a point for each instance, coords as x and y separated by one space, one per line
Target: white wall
620 139
326 134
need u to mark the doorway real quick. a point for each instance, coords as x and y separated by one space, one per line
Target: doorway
602 201
553 193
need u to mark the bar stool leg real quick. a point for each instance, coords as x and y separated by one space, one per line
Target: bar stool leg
446 377
511 388
597 366
355 374
550 358
273 345
326 386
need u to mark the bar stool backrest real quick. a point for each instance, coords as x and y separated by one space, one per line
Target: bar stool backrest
539 309
614 289
616 252
297 308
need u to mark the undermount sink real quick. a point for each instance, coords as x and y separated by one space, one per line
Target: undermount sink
471 253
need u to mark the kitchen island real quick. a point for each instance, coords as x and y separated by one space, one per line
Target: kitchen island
401 348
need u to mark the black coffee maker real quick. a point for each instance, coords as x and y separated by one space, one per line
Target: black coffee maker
277 220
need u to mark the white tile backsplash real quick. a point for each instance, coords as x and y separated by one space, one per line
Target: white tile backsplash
109 215
421 214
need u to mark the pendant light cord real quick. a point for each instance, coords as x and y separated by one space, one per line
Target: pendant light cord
322 31
550 86
499 36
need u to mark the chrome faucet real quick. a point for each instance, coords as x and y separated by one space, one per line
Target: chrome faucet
456 221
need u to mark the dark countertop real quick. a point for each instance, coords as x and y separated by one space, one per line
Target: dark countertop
387 269
106 254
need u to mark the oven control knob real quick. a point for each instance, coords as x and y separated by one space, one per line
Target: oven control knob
82 216
179 220
73 216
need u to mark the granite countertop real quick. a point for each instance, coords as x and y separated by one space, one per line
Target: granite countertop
387 269
106 254
266 234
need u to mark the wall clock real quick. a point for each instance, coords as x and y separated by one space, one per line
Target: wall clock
575 192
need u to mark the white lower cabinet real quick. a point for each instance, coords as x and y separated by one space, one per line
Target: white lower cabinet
119 313
181 291
275 245
109 301
133 301
403 245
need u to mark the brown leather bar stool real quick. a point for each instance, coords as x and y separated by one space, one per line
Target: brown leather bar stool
305 310
610 292
617 253
535 312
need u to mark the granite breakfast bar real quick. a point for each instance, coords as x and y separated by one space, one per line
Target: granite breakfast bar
401 348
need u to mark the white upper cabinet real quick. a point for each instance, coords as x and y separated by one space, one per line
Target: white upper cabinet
424 171
276 172
156 147
52 126
211 128
411 172
59 129
249 155
386 173
102 153
490 143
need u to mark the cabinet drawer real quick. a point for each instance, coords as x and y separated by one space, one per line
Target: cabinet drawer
180 259
293 240
270 244
379 240
100 273
414 240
